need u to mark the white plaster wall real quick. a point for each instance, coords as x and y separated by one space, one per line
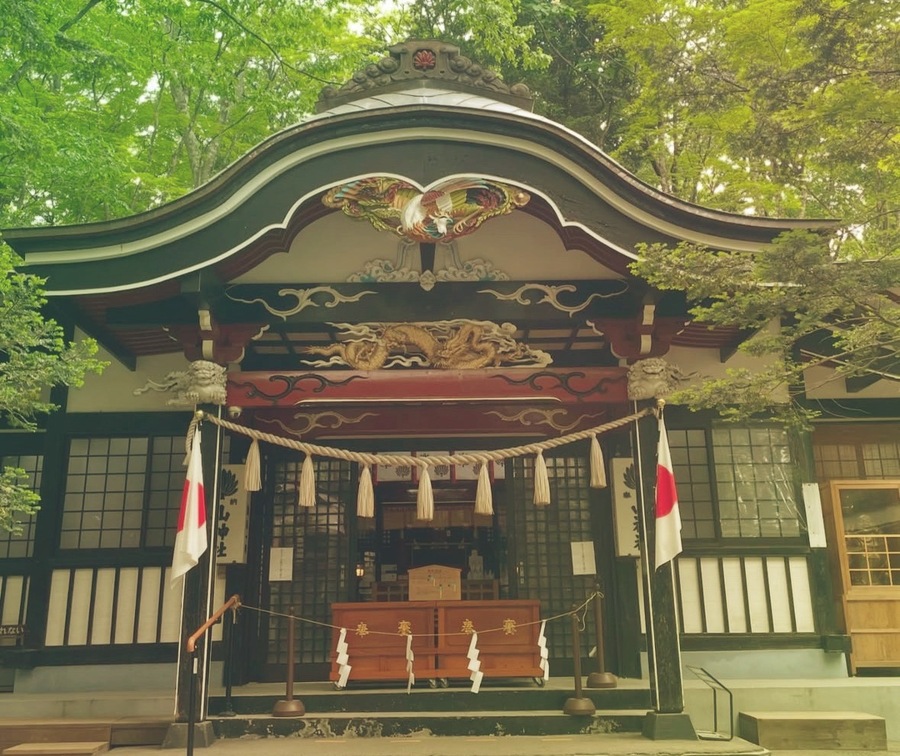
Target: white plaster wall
327 251
333 248
821 382
824 383
703 364
113 390
527 249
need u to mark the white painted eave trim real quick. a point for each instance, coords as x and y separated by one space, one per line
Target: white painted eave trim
330 147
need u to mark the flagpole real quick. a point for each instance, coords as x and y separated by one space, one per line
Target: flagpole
668 720
211 465
197 589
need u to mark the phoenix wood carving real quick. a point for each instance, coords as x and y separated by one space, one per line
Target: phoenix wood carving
449 344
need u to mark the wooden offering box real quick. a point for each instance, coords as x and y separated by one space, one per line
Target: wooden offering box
377 649
507 638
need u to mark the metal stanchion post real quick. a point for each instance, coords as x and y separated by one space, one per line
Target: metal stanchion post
289 707
577 706
192 705
601 678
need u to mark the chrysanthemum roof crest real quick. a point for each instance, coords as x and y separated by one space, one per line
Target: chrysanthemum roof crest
425 63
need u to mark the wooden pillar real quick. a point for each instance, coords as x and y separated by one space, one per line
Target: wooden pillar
667 720
823 591
48 519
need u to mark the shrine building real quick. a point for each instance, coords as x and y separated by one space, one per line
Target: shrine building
423 269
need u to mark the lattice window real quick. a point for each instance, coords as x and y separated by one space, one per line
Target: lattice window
857 452
870 516
543 538
22 544
122 492
881 460
837 461
735 482
690 463
321 558
755 482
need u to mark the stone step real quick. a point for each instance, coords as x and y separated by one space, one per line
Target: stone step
444 723
459 699
825 730
78 748
124 731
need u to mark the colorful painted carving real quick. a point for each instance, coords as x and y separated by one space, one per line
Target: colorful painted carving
449 344
444 211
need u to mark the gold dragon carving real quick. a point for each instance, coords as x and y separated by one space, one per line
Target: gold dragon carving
445 345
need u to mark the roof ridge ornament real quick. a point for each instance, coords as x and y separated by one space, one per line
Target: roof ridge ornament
418 62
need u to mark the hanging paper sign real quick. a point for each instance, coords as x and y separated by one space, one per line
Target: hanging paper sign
625 503
496 470
232 516
387 473
281 564
583 561
410 473
814 522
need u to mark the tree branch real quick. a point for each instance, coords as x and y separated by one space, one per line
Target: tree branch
225 12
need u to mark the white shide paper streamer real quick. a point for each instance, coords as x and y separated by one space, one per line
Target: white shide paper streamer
410 658
474 664
342 658
545 652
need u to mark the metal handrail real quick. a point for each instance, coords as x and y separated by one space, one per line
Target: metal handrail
233 602
715 685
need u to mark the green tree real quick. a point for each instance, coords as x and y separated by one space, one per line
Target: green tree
804 309
584 85
777 108
490 31
111 107
34 357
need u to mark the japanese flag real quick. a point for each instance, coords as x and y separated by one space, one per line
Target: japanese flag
190 541
668 518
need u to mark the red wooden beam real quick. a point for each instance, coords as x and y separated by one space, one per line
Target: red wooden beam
347 387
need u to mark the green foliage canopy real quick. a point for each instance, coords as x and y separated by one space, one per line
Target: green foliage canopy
110 107
775 108
34 357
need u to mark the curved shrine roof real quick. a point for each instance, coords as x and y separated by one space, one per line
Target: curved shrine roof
421 114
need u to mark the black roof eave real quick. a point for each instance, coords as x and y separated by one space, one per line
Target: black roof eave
540 131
